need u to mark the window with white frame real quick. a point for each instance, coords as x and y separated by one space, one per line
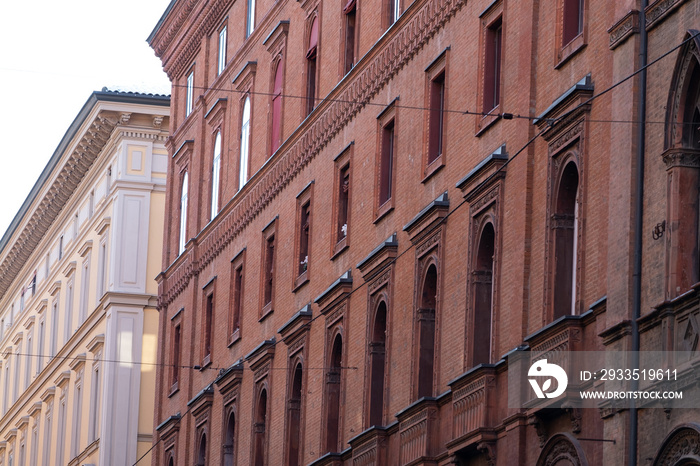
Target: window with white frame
6 392
102 268
61 429
84 289
34 451
41 338
245 143
215 176
47 434
250 24
77 413
28 358
183 215
190 94
15 384
54 327
68 328
95 402
222 51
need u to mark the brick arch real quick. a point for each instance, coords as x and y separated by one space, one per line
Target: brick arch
681 95
681 447
562 449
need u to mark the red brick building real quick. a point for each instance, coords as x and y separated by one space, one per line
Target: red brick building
372 203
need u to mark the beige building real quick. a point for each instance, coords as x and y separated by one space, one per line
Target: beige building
78 316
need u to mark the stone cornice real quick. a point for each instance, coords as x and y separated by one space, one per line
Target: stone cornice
55 197
393 50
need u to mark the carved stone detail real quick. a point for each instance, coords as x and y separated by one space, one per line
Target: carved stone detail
488 449
540 429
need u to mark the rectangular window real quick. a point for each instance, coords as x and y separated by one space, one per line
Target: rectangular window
341 227
15 385
386 163
303 236
250 22
492 66
61 430
311 65
60 248
35 444
207 322
6 394
175 373
573 20
68 328
222 51
28 359
54 328
40 345
95 403
350 12
268 269
437 115
189 102
47 436
84 290
77 416
236 307
102 269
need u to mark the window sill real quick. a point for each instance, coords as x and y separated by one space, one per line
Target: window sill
384 210
433 167
173 390
266 311
234 337
576 44
339 247
301 280
206 362
488 121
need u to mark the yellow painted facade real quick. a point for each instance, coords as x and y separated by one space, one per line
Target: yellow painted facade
78 318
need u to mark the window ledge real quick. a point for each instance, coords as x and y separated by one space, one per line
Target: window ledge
234 337
433 168
576 44
174 389
489 120
266 311
206 362
384 210
301 280
340 247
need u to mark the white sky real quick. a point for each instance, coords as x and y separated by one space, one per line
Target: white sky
54 54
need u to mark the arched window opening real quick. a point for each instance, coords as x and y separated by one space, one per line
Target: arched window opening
426 332
245 144
311 65
377 355
215 176
183 214
171 462
229 440
277 109
294 418
565 242
260 429
202 451
482 277
333 396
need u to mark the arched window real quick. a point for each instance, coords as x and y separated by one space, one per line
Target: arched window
245 144
311 66
426 332
565 242
260 430
215 176
229 437
333 378
202 451
277 108
171 462
482 278
183 214
377 356
294 418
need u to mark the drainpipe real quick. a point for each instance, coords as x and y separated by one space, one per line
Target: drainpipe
638 225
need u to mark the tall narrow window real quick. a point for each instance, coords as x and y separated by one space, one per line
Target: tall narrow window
386 163
40 345
222 51
565 224
343 202
77 416
311 62
102 269
294 418
276 133
95 403
207 328
250 21
54 328
573 20
394 10
350 11
84 290
183 215
236 297
189 100
61 430
492 66
426 332
28 357
304 228
260 430
377 356
202 451
6 393
48 430
245 144
482 279
60 247
68 329
175 367
269 268
229 440
333 377
215 176
436 117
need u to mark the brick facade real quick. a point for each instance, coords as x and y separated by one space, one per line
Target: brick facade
352 300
